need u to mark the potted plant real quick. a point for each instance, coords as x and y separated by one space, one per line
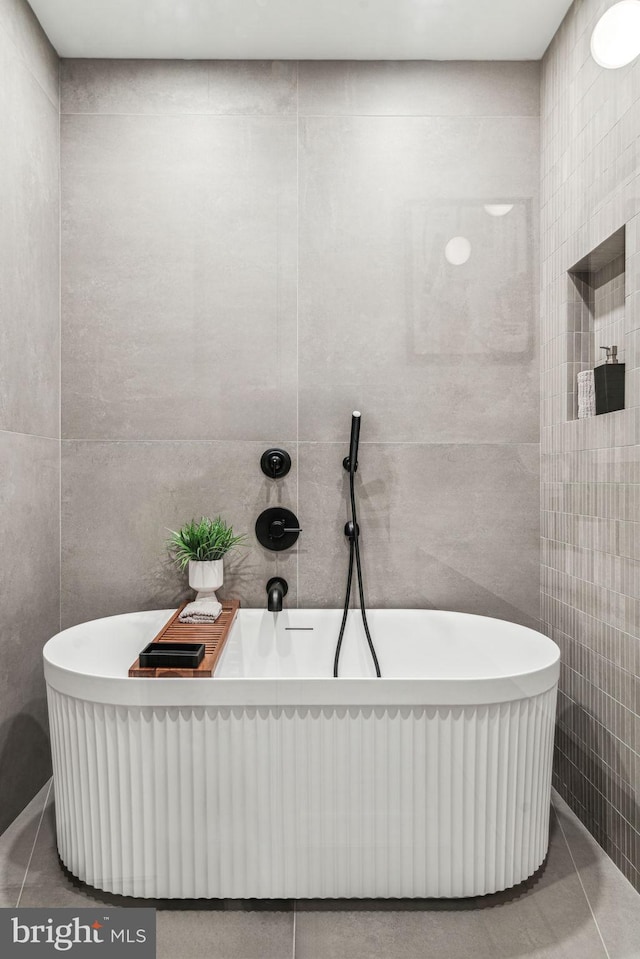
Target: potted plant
201 545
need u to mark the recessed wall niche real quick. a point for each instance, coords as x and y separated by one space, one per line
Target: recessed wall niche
595 317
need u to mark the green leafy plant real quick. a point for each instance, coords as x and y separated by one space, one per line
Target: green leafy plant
202 540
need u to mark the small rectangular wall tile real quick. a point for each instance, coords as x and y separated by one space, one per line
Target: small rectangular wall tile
590 585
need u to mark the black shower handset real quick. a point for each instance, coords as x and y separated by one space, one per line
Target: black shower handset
352 532
350 462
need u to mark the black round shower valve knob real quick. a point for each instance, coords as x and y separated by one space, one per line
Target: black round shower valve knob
275 463
277 528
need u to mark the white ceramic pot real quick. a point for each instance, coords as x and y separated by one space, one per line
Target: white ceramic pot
206 577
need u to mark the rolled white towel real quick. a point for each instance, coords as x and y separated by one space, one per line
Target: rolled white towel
586 394
201 611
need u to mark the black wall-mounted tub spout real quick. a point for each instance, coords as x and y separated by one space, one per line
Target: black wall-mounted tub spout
277 589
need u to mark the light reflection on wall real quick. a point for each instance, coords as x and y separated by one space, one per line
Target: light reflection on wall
458 250
471 285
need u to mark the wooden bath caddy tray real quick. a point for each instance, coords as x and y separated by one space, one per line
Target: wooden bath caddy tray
213 635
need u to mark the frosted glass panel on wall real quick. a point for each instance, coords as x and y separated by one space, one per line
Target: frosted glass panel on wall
470 267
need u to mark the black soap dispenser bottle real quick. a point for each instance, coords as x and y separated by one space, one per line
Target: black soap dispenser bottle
609 382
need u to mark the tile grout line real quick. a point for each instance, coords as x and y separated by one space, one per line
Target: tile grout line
307 116
618 741
131 441
35 840
295 911
297 331
60 345
584 891
35 436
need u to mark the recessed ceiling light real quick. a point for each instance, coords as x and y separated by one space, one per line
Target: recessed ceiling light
615 40
498 209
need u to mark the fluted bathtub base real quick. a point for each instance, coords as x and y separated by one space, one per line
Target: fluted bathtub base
302 802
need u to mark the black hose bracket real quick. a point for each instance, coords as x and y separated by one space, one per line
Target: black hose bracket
351 530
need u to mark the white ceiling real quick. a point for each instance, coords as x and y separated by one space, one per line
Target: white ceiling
302 29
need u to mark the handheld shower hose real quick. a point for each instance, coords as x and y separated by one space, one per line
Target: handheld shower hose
352 531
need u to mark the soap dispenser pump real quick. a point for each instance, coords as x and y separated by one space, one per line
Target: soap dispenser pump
609 382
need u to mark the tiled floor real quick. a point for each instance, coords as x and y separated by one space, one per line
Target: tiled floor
578 907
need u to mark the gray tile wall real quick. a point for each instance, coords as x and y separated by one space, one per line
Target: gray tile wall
609 321
591 467
29 397
250 252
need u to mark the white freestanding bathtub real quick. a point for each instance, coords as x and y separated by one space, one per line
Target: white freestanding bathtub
273 779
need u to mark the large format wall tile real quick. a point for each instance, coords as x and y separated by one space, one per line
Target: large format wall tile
30 612
29 397
21 26
222 87
419 88
179 269
198 217
444 526
186 319
30 243
431 351
118 501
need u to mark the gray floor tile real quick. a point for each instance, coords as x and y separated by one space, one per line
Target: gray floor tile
60 894
48 883
226 929
16 845
548 918
9 896
188 930
232 934
614 901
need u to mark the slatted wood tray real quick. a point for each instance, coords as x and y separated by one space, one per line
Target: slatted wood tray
213 635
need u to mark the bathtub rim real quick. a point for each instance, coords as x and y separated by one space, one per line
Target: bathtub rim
299 692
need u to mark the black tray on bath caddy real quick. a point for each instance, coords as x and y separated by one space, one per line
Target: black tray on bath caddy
174 633
186 655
